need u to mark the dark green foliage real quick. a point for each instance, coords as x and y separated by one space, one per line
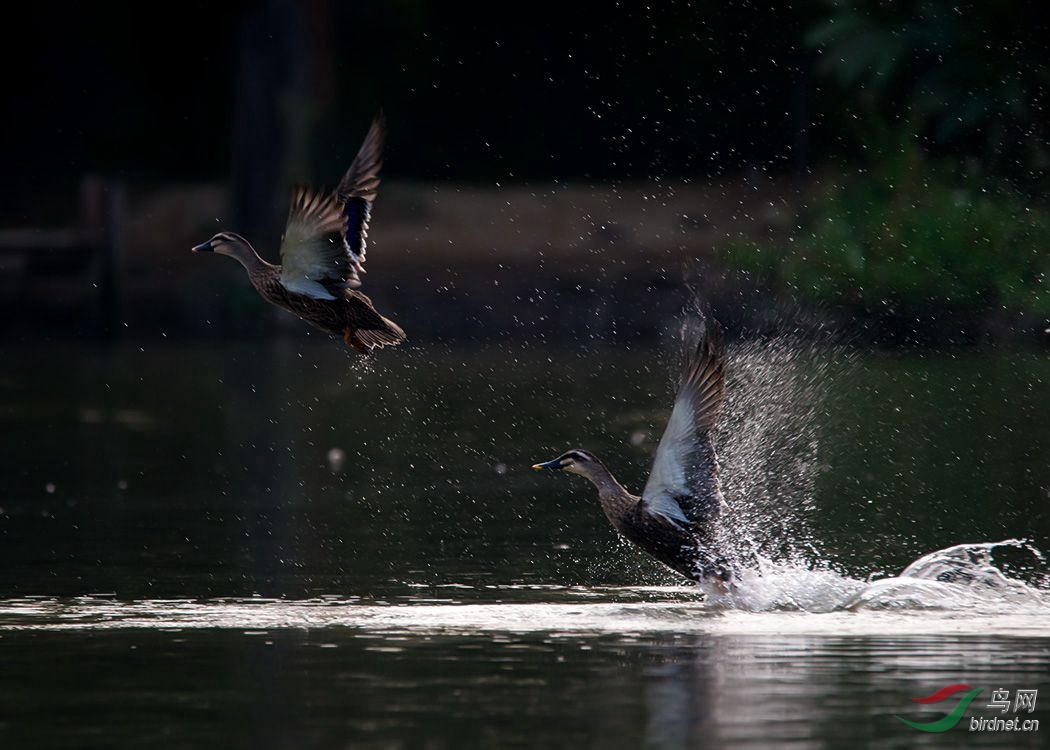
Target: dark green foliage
957 223
908 233
972 75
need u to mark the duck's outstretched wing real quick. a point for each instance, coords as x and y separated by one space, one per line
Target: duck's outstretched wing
356 193
313 259
323 248
683 485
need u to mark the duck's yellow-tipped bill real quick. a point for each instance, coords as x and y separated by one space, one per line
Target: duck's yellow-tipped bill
554 465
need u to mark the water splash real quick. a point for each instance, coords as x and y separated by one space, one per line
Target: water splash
769 464
768 447
964 578
788 586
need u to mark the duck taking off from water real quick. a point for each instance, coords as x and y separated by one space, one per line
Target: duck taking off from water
323 255
674 519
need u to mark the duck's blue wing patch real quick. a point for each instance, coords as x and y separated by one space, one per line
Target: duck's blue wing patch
357 192
357 212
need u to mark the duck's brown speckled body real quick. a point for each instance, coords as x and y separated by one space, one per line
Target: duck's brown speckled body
689 549
352 316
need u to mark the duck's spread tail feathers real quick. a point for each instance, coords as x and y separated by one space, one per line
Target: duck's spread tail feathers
365 329
365 340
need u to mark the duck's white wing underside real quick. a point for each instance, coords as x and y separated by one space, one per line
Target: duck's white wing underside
314 260
683 484
669 477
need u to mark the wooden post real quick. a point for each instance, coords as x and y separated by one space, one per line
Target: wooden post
268 73
102 216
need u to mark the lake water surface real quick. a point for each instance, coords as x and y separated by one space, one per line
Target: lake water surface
286 547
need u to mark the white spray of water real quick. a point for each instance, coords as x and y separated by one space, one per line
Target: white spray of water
769 458
768 448
964 578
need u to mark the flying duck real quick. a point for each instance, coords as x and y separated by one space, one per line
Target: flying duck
323 255
675 518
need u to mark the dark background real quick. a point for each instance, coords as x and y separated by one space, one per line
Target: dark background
560 176
473 91
561 179
478 92
880 163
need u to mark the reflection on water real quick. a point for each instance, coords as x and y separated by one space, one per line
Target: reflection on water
341 687
182 562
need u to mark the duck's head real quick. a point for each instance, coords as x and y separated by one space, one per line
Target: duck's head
228 243
576 461
224 243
